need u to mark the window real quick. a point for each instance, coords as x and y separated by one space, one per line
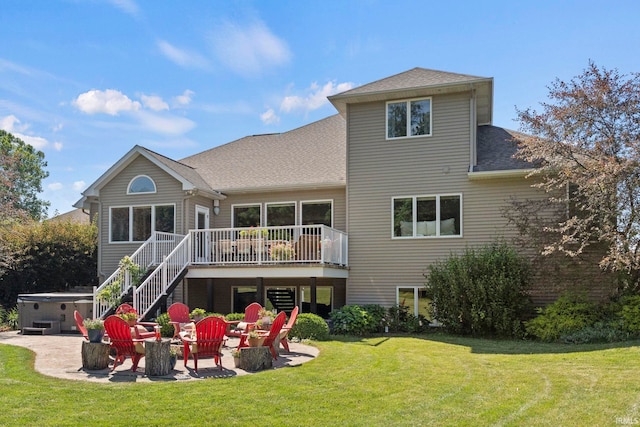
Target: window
316 213
427 216
409 118
246 215
324 300
416 301
137 223
281 214
141 184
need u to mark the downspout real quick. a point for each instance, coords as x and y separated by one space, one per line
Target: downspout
473 128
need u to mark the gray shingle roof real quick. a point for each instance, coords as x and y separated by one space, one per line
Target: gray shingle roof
186 171
496 149
414 78
312 155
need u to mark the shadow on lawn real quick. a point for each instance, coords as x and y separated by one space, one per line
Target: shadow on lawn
492 346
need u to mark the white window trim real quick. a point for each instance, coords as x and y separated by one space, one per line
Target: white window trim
408 102
155 187
302 202
153 220
416 295
415 214
295 210
239 205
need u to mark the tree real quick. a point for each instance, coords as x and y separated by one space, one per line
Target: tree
586 141
21 175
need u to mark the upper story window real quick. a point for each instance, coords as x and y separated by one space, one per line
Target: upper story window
409 118
141 184
281 214
427 216
136 223
316 212
246 215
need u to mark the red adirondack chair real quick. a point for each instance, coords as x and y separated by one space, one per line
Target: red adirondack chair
179 314
122 342
125 308
251 314
141 327
284 332
272 336
80 324
207 342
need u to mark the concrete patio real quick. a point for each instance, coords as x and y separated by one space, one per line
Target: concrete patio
60 356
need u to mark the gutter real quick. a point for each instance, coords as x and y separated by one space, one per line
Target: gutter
510 173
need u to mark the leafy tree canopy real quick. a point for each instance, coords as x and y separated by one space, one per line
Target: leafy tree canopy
21 175
586 140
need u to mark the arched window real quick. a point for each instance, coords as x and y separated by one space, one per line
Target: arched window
141 184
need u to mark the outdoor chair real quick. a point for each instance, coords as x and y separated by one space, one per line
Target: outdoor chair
141 327
179 316
122 342
208 341
80 324
284 332
307 248
251 314
270 337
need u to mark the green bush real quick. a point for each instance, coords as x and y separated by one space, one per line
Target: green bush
400 320
376 317
598 333
234 316
166 328
630 314
481 292
567 315
310 326
350 320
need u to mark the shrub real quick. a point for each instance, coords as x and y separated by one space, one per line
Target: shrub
481 292
567 315
630 314
376 317
234 316
166 328
400 320
350 320
310 326
598 333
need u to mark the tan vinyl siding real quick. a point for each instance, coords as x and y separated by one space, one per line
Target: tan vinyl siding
336 194
379 169
114 193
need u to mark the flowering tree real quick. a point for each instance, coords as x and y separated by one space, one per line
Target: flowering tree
586 141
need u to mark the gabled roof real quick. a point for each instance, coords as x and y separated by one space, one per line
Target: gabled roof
419 82
312 156
189 178
496 151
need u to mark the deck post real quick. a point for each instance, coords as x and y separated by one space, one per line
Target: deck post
314 295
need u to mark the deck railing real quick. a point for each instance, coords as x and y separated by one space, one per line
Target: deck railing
150 253
316 244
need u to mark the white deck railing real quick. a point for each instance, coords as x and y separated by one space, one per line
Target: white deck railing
270 245
172 253
150 253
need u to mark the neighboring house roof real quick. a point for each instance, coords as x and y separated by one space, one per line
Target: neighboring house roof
76 216
310 156
421 82
496 149
190 179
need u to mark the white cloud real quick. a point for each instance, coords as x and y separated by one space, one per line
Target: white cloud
316 97
184 99
55 186
57 146
269 117
182 57
12 125
109 102
79 185
154 102
249 50
127 6
165 124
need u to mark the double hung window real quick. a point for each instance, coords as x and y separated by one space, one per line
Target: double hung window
427 216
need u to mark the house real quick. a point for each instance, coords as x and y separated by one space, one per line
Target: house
349 209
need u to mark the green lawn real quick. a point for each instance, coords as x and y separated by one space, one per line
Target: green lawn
423 380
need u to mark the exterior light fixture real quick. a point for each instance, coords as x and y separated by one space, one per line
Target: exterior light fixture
216 207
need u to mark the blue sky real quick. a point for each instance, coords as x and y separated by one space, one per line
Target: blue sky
86 80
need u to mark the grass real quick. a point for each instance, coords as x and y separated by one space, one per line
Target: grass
378 381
